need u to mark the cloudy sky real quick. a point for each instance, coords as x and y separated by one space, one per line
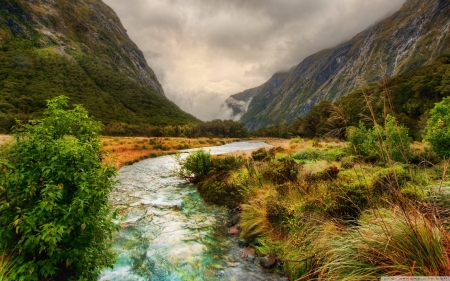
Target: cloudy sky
203 51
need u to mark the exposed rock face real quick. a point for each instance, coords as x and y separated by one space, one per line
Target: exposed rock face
91 27
412 37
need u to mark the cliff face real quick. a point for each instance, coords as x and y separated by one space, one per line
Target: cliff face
78 48
412 37
89 26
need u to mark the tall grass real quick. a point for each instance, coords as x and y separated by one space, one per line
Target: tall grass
387 242
7 264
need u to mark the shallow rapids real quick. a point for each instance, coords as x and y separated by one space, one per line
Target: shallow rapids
169 233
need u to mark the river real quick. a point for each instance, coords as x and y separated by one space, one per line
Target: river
169 233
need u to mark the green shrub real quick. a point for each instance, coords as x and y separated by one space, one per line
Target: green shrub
54 197
157 145
348 162
437 131
215 191
390 179
307 154
227 163
426 158
390 143
281 171
348 202
296 140
196 165
263 154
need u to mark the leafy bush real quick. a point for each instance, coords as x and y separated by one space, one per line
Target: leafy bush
215 191
54 197
210 174
263 154
227 163
282 170
390 179
385 144
196 166
437 131
427 157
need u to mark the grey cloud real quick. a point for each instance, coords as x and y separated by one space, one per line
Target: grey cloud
202 51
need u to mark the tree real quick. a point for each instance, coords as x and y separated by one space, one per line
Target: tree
54 207
437 131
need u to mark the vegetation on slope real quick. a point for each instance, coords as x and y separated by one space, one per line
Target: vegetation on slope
408 97
412 37
37 66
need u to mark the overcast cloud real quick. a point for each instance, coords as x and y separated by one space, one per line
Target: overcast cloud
203 51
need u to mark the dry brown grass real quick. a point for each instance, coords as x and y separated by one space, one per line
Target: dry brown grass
291 146
124 150
5 138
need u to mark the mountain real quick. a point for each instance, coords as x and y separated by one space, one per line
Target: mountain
412 37
78 48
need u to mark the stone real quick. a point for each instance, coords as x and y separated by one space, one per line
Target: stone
268 261
233 231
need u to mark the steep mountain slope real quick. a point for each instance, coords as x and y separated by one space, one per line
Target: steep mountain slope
80 49
414 36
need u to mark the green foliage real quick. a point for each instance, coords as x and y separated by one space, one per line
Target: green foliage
263 154
215 128
213 190
54 197
210 174
390 179
282 170
227 163
390 143
317 155
411 97
437 131
101 74
196 166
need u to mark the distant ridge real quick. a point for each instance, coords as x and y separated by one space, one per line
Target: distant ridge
412 37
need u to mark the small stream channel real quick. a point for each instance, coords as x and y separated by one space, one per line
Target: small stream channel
169 233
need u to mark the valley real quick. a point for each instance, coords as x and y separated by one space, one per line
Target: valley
333 169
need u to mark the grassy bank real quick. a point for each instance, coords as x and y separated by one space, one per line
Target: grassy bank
329 212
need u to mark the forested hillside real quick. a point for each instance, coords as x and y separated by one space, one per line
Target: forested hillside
408 97
81 50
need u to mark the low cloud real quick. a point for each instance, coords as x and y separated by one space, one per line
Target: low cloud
203 51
